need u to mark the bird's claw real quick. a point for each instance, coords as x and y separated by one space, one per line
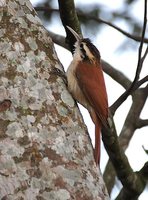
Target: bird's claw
60 73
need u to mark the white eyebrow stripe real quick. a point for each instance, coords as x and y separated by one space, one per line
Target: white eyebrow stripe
88 53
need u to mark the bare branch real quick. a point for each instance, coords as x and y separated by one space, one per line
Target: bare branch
132 118
109 176
144 172
145 54
120 162
58 39
127 131
69 17
130 124
116 75
107 68
139 83
142 123
143 177
99 20
124 96
146 150
47 9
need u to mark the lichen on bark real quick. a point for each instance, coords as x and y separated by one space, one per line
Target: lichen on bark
45 152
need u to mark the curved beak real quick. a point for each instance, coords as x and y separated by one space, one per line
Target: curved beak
78 38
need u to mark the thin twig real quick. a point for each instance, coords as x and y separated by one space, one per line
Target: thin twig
107 68
59 40
142 123
133 37
139 83
124 96
47 9
127 133
116 75
89 17
144 56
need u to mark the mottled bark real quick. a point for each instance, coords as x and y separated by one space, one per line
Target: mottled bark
45 151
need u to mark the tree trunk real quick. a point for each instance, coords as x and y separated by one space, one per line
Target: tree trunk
45 151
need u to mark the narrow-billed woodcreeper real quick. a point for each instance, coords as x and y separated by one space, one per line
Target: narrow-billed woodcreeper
86 84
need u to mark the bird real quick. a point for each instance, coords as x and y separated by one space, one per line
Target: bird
87 85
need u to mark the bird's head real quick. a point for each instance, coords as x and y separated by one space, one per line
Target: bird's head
84 49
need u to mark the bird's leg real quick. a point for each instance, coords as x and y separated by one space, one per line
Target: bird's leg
60 73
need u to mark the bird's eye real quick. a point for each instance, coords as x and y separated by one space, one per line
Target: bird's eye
81 46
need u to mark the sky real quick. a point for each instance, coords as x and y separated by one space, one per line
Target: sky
108 41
